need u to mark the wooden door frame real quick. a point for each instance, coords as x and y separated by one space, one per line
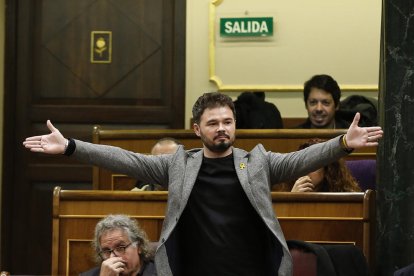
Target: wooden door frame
15 157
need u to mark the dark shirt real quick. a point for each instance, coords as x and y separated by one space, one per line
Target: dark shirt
148 269
339 124
252 111
220 232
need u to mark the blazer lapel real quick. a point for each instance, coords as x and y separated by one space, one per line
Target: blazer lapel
241 164
191 171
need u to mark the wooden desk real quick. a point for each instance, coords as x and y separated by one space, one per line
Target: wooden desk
315 217
277 140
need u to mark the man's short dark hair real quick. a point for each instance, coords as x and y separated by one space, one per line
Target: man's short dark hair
324 82
211 100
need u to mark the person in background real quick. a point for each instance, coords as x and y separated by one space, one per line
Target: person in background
167 145
322 96
121 248
334 177
219 218
253 112
405 271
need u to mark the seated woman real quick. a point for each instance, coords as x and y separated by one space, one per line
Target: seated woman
335 177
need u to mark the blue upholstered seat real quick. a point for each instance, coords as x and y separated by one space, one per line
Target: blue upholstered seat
364 171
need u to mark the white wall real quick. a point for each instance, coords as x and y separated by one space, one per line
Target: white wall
290 103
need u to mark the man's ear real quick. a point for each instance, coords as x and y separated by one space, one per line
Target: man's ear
196 129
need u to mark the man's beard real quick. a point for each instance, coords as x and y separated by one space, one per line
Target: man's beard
220 147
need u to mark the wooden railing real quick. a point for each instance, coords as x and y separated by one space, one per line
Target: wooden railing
339 218
276 140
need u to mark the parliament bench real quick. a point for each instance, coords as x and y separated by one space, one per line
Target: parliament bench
276 140
325 218
364 172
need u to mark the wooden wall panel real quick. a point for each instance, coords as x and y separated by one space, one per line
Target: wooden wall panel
49 75
326 218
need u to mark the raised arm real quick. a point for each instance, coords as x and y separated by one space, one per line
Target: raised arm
359 137
52 143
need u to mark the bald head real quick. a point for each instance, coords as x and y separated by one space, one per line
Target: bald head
165 146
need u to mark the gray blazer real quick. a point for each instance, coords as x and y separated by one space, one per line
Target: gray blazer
256 171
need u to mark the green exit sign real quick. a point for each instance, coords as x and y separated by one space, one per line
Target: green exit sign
246 26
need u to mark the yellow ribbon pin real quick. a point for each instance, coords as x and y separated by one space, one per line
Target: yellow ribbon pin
242 166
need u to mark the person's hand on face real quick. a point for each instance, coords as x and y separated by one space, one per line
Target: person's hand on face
112 266
120 256
303 184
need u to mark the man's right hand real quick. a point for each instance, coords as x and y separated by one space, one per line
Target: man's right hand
53 143
112 266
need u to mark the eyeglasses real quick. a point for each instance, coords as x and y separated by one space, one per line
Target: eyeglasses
118 251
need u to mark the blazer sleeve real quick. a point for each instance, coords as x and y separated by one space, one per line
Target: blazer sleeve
148 168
